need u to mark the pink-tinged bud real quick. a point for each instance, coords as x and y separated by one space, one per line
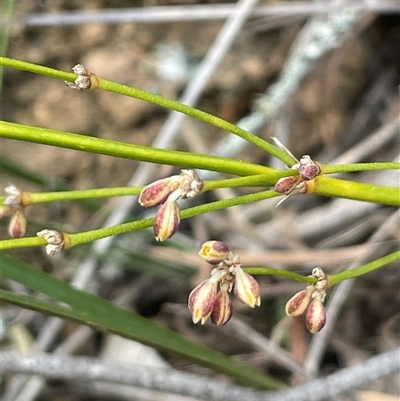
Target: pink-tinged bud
158 191
315 316
222 311
202 299
299 302
246 288
4 210
286 185
55 241
214 252
308 169
167 221
18 224
190 185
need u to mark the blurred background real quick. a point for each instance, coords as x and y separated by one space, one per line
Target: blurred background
323 77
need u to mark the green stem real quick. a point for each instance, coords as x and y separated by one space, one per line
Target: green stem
347 168
327 186
334 187
158 100
367 268
128 150
89 236
31 198
278 272
44 197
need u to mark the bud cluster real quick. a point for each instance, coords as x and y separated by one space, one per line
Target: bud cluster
302 183
55 241
13 204
166 192
311 301
85 79
210 299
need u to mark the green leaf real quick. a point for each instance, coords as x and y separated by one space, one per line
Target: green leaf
90 309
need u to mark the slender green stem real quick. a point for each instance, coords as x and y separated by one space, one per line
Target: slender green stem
43 197
327 186
31 198
89 236
367 268
128 150
158 100
347 168
279 272
333 187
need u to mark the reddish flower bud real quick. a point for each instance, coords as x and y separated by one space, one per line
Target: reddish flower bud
246 288
167 221
158 191
18 224
308 169
222 311
286 185
299 302
202 299
214 252
316 315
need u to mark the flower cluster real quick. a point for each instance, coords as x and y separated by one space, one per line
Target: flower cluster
56 241
211 297
299 184
14 204
166 192
311 300
85 79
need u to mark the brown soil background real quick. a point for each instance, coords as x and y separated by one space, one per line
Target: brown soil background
351 92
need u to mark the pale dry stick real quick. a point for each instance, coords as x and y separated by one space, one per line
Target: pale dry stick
376 140
219 48
169 14
268 348
340 293
24 390
173 381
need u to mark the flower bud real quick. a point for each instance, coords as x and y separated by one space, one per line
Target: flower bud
167 221
18 224
222 311
299 302
308 169
55 241
190 185
246 288
158 191
14 196
286 185
214 252
202 299
316 315
85 79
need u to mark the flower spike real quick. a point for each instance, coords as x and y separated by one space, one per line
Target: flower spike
166 192
211 297
311 301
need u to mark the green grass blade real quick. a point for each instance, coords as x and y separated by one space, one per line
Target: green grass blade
105 315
